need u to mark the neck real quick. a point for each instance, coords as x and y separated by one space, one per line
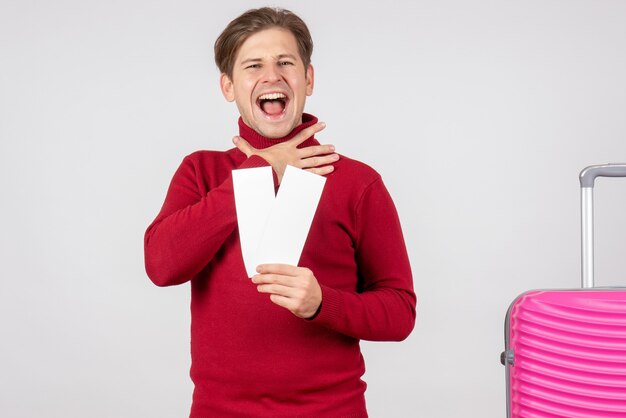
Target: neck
259 141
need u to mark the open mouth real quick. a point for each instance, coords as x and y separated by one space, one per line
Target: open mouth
273 104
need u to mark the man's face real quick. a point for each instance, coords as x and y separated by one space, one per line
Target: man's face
269 83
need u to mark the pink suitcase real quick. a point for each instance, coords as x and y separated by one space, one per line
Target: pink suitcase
565 350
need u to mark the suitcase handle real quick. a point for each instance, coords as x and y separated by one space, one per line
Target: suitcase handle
587 180
589 174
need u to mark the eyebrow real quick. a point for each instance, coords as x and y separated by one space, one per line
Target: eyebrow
250 60
281 56
278 57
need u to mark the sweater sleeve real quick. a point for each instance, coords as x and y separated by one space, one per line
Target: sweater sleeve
191 226
383 309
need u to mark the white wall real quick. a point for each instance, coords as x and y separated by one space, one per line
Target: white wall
479 115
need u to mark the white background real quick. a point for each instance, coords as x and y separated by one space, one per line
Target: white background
478 114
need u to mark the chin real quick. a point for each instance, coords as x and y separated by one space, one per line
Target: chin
274 132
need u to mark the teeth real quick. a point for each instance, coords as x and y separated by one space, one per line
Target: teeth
272 96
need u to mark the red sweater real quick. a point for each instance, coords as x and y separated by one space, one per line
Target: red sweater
250 357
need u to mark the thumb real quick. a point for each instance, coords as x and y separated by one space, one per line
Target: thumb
243 146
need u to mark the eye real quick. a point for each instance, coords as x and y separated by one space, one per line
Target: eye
253 66
285 63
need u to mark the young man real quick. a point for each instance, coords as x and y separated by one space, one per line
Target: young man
284 343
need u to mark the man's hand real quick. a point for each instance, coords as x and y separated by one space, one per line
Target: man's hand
293 288
316 159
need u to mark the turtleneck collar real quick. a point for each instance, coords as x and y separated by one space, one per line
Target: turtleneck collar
259 141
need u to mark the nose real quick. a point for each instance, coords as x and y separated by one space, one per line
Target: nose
271 74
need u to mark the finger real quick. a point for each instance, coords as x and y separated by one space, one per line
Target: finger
315 150
319 161
282 301
243 146
275 289
276 268
293 306
307 133
273 279
321 171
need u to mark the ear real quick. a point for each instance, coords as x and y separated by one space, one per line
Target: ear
228 90
309 80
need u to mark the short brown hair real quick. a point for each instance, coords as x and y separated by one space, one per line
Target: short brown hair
230 40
